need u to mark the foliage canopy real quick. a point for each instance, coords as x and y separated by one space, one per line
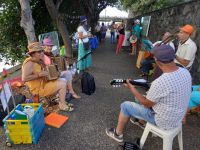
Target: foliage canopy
13 40
143 6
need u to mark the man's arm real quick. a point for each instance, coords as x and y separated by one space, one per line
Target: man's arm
143 100
182 61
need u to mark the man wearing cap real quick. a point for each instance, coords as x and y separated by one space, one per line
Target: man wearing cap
35 77
185 54
166 101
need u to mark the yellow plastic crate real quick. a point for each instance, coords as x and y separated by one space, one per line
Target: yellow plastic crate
19 131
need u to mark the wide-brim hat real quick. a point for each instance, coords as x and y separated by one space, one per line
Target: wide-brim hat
83 18
47 42
34 47
187 29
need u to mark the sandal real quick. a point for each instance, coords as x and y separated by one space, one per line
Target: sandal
69 104
67 108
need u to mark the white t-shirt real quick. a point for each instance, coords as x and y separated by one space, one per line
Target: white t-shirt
171 93
187 51
97 28
81 29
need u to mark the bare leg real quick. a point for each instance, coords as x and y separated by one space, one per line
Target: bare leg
122 121
62 92
71 90
133 50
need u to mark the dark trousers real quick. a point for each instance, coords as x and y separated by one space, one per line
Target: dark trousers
98 34
112 37
146 65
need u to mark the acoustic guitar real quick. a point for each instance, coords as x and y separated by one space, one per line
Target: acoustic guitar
139 82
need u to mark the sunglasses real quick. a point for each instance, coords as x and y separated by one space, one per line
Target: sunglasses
40 52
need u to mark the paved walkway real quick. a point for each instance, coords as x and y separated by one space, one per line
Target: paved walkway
85 129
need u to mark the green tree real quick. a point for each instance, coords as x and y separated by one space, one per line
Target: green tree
143 6
13 41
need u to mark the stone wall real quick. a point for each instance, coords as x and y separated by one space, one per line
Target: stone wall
170 19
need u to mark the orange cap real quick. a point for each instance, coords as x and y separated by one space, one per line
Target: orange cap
187 28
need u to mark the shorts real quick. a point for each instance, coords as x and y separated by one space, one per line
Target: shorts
138 111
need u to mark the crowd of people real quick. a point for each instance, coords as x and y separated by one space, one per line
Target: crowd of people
170 93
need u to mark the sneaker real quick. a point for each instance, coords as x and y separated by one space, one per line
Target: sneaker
136 122
112 133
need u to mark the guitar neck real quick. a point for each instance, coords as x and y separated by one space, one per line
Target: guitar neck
145 85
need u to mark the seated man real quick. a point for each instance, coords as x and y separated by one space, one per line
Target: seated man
165 40
185 54
167 99
35 77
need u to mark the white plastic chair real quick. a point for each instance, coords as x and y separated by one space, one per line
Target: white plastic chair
166 135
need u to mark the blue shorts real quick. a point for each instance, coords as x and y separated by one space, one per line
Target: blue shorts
138 111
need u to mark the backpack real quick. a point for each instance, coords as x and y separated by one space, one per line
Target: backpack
87 83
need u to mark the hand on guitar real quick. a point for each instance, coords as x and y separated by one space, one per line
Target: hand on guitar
128 84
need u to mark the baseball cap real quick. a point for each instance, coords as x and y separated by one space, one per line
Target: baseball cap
164 53
187 28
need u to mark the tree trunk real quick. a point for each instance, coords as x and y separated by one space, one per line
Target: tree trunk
65 36
27 22
53 11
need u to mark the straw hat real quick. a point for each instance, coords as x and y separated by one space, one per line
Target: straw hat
34 47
